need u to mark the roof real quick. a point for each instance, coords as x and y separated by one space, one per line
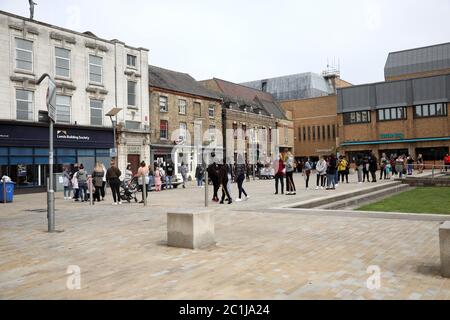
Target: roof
293 87
436 57
177 81
246 96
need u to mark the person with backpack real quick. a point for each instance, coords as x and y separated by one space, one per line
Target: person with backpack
82 183
321 171
97 181
306 171
113 178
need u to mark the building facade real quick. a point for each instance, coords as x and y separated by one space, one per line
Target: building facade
186 119
92 75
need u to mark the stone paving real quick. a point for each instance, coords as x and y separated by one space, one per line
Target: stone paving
260 253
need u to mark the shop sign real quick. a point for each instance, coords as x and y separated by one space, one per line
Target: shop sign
63 134
134 149
392 136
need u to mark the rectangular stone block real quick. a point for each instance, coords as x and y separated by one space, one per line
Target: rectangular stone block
191 229
444 244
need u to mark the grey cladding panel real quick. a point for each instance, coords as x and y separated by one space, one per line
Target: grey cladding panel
391 94
427 90
356 98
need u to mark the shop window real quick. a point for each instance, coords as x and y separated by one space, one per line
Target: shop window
66 160
66 152
3 160
41 152
21 151
86 152
432 154
4 151
20 160
41 160
102 152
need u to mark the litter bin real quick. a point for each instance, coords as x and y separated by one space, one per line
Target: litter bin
9 188
58 182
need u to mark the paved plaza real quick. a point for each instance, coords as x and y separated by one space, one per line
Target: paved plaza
262 252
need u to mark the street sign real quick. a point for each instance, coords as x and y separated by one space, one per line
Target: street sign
112 153
51 100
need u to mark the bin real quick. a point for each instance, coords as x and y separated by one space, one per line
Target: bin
58 182
9 191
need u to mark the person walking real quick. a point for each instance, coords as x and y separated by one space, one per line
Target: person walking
97 181
113 178
223 181
306 171
321 171
240 177
359 168
103 188
184 172
419 161
199 173
331 173
66 183
143 180
169 175
158 180
280 171
213 174
82 183
290 168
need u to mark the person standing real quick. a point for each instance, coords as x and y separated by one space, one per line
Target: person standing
184 172
128 175
240 177
446 162
199 173
97 180
373 166
331 173
143 179
290 185
306 171
169 175
383 163
82 183
399 166
366 169
280 170
359 168
74 181
420 163
66 183
214 176
113 178
342 167
321 171
158 180
410 164
103 188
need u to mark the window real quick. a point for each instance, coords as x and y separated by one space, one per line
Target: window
323 133
163 129
62 62
95 69
163 104
357 117
314 133
131 93
182 106
197 109
304 134
63 109
131 60
430 110
396 113
432 154
380 115
212 133
299 133
235 130
328 132
309 133
24 54
244 131
24 105
96 112
318 133
211 111
334 131
183 131
132 125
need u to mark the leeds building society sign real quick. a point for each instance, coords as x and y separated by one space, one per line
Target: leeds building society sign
63 134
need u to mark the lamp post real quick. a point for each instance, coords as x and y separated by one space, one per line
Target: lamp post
112 114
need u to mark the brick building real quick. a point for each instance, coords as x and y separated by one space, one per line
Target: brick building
406 116
184 114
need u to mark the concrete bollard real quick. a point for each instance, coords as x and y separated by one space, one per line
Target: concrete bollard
191 229
444 244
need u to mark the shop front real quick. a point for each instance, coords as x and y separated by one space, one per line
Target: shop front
24 151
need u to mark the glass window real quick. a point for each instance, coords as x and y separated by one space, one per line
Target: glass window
96 112
102 152
86 152
318 132
24 105
387 114
131 93
63 109
163 129
401 113
163 104
21 151
183 131
418 111
133 125
334 131
20 160
197 109
131 60
66 152
95 69
328 132
41 152
211 111
24 54
439 109
352 118
62 62
4 151
364 116
309 133
381 115
425 110
182 106
304 134
432 110
358 117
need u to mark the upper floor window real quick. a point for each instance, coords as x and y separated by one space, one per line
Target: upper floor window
197 109
95 69
357 117
430 110
131 60
63 109
235 130
132 125
24 54
96 107
182 106
318 133
212 132
24 105
183 131
163 107
163 129
397 113
211 111
131 93
62 62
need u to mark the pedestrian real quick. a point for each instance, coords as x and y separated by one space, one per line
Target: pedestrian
410 164
280 171
359 168
143 179
342 168
82 183
306 171
169 175
419 161
399 166
290 168
388 170
158 179
446 162
373 166
73 180
331 173
199 173
240 177
392 162
66 183
213 174
97 180
184 172
103 188
223 181
248 171
151 178
383 163
113 178
128 175
366 169
321 171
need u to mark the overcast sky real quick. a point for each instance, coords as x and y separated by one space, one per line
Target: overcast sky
243 40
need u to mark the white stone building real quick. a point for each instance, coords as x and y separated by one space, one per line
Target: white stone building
93 75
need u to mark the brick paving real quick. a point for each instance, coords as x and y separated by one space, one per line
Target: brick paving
260 254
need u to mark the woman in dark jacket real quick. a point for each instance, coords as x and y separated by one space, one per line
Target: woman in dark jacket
331 172
113 177
240 174
223 181
373 167
97 180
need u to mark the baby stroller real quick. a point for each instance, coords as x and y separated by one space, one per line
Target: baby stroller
128 190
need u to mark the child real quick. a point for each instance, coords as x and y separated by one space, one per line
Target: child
158 181
388 170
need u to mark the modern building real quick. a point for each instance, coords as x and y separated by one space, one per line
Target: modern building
252 110
186 118
311 99
406 116
92 75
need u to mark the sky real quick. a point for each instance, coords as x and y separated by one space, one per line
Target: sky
244 40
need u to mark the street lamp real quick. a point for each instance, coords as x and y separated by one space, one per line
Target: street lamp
112 114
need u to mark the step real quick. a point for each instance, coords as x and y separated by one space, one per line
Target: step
370 196
342 196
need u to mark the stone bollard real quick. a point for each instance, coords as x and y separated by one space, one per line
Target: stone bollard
191 229
444 244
